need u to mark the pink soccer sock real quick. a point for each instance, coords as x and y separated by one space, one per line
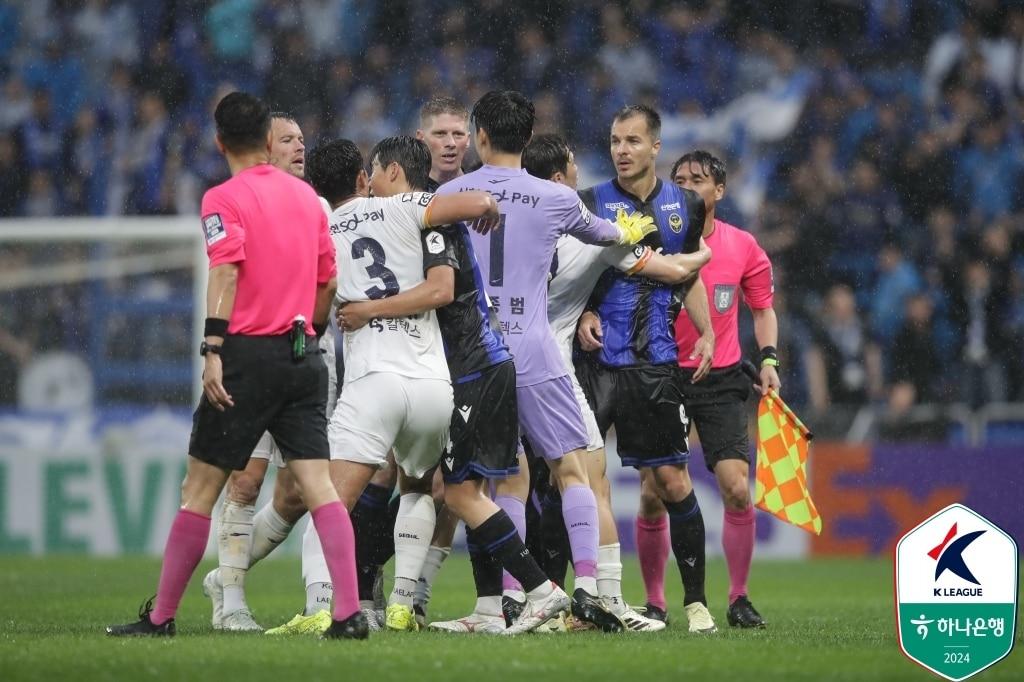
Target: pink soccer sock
334 527
738 543
185 546
653 545
516 510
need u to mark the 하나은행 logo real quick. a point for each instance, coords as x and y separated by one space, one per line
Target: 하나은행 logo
956 593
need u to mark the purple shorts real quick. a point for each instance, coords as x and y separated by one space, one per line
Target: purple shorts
550 418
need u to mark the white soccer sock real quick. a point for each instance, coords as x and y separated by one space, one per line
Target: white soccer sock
314 572
268 532
488 606
609 576
541 591
585 583
413 529
234 544
431 566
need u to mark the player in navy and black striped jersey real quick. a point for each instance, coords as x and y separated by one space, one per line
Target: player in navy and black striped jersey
633 353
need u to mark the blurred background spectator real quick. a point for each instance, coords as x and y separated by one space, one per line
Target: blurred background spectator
875 148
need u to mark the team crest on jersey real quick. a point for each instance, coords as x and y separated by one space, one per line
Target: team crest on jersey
725 294
675 222
213 226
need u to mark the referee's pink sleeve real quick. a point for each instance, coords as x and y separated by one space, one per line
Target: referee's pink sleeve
758 283
222 230
327 262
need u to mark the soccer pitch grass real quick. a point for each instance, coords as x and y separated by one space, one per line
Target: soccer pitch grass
828 620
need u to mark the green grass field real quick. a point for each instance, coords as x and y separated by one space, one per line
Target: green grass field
829 620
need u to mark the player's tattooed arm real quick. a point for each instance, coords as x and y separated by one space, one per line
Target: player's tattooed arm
436 291
696 303
676 268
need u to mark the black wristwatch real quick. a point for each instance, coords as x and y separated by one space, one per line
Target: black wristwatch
205 348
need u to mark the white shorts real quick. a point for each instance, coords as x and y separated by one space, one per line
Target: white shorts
267 448
382 411
596 440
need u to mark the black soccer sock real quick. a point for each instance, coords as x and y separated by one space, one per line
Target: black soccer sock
370 524
686 528
556 550
497 536
486 568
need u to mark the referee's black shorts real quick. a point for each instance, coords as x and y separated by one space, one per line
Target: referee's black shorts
717 406
271 393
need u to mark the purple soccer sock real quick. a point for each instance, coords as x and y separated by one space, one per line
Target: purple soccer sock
579 509
516 510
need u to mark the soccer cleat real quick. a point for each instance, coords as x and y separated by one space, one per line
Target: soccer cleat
473 623
215 591
240 621
700 618
400 618
653 612
742 614
574 624
635 622
536 613
353 627
511 608
143 627
373 619
419 612
591 609
304 625
556 625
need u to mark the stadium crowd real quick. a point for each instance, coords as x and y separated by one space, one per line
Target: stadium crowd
875 148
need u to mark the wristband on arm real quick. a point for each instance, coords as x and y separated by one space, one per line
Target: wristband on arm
215 327
769 357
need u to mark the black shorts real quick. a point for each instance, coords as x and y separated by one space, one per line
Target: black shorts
646 408
485 427
271 393
717 406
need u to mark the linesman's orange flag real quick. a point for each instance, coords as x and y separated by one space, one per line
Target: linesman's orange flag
781 487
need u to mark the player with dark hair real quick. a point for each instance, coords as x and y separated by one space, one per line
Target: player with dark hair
272 268
514 261
484 425
717 405
575 271
630 375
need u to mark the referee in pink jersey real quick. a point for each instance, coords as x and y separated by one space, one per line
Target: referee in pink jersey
716 405
271 281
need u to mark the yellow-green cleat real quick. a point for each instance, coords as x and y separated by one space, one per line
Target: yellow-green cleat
400 618
316 624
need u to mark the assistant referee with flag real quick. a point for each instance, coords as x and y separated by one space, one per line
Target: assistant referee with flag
272 269
716 404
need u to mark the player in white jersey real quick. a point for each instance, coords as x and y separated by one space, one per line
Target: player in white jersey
574 273
397 390
244 535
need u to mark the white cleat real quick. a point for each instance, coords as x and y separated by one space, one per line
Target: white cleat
373 619
634 622
240 621
474 623
215 591
700 618
536 613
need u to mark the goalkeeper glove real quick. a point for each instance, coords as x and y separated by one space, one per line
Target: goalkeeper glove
633 227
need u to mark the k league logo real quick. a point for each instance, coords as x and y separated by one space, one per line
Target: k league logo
956 593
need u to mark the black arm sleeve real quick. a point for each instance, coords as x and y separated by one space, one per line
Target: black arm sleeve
696 213
439 247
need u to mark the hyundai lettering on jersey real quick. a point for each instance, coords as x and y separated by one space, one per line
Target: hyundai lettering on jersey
636 312
515 258
380 254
